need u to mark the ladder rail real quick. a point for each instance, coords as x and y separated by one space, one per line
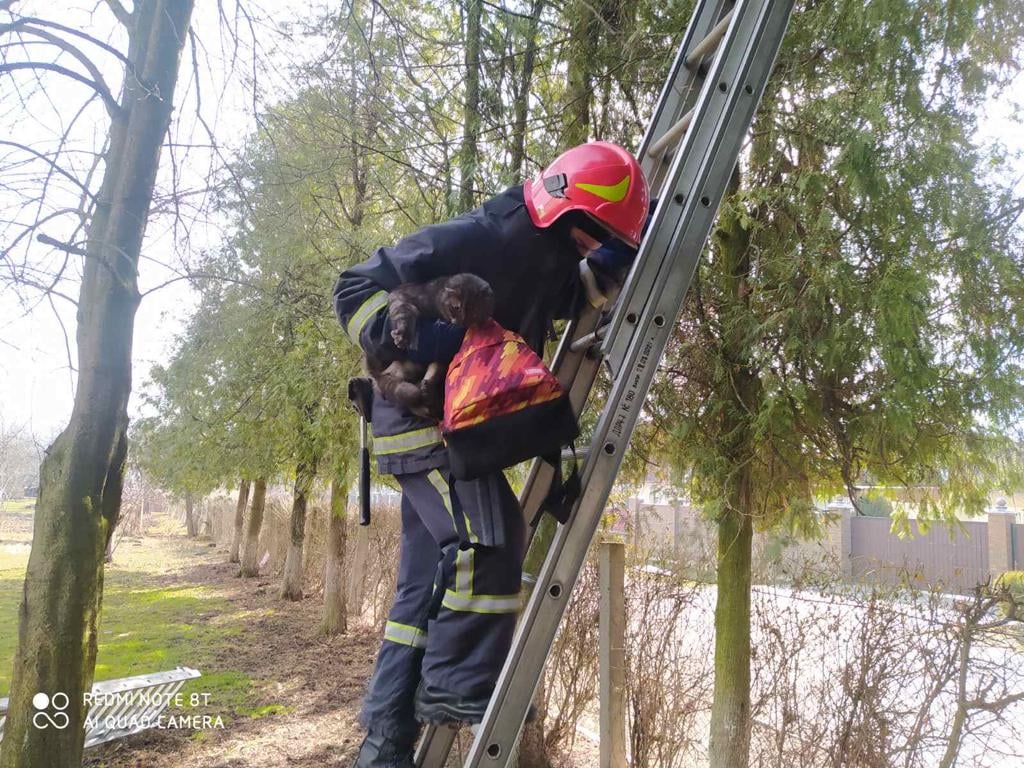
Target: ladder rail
682 94
678 85
759 33
575 364
434 745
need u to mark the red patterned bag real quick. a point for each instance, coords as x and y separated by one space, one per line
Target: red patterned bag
502 405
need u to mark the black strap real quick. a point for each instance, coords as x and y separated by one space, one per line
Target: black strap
442 578
562 494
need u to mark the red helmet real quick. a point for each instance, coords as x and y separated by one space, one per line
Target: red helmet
599 178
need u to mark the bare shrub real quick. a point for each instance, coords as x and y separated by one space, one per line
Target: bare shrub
849 677
843 676
379 574
570 684
668 669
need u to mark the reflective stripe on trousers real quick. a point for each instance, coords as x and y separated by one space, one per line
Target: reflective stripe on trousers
463 598
470 636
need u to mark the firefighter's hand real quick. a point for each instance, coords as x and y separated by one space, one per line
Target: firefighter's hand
614 258
598 286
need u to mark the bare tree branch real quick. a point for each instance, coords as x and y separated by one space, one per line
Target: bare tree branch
67 247
112 106
36 21
52 163
120 13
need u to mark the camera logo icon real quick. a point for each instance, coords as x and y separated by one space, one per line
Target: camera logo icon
43 719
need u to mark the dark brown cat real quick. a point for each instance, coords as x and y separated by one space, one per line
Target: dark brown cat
462 299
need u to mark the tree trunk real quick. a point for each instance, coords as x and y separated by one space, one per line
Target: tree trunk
730 711
471 111
191 523
82 474
586 27
236 539
207 520
251 552
522 104
108 554
291 584
335 606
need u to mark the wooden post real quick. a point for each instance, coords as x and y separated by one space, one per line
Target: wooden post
612 568
357 571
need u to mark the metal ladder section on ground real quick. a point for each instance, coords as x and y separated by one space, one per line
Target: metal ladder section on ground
688 154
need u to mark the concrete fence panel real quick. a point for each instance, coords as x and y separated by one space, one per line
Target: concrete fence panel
957 558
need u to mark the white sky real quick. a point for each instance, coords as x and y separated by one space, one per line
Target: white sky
36 383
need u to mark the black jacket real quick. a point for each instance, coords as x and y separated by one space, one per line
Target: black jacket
533 272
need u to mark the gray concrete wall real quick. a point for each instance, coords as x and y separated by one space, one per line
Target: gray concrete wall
853 547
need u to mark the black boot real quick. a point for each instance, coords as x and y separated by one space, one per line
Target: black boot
379 751
436 705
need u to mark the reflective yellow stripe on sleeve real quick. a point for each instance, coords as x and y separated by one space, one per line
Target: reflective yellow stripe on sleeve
404 634
407 441
366 310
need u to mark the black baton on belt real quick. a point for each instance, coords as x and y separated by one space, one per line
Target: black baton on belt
360 392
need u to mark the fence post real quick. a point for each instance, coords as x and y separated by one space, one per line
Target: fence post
357 570
1000 539
840 536
612 570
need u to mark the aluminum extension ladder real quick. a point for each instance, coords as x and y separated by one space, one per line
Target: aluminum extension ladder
688 154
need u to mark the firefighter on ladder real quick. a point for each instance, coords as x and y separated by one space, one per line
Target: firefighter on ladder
545 247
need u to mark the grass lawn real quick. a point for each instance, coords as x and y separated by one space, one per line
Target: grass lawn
283 694
152 621
18 505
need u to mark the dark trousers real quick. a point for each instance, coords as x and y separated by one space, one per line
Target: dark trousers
455 605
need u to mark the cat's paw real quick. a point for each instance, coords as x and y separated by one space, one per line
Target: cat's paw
402 336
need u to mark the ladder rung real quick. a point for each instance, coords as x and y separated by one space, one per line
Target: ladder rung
702 49
586 342
580 454
670 137
709 43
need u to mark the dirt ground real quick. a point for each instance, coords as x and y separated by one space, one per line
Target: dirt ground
309 686
296 693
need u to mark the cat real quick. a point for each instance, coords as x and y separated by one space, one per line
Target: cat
462 299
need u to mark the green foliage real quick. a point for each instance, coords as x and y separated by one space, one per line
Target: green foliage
363 151
873 506
858 313
1012 581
